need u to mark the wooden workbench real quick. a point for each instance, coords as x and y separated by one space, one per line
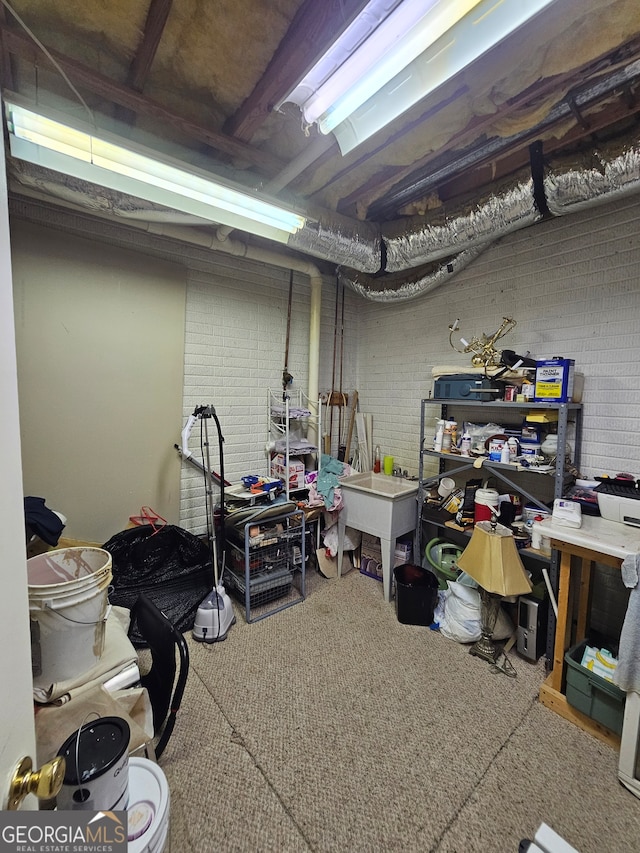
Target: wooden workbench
596 541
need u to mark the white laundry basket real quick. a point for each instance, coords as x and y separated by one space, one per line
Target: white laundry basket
68 606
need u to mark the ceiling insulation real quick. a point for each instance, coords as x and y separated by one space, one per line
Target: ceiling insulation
441 179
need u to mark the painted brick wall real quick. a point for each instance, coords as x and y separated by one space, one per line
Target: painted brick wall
571 283
573 286
236 321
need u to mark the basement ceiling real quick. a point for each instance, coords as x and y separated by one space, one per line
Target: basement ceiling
204 75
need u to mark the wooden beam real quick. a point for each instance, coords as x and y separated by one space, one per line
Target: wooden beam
107 88
388 174
314 27
153 29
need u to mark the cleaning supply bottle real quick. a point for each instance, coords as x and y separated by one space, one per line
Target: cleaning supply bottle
376 460
465 444
437 441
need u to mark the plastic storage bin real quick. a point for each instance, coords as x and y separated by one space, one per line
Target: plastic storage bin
416 594
594 696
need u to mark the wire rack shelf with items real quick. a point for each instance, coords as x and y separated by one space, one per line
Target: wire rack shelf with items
267 564
293 430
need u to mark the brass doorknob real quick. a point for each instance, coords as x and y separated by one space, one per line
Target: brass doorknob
44 783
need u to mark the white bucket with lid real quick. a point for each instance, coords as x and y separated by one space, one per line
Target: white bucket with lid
148 811
68 608
485 502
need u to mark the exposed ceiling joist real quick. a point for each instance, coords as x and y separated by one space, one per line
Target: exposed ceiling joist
382 198
153 29
116 93
312 30
567 81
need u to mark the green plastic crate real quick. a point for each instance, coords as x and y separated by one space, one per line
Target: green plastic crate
594 696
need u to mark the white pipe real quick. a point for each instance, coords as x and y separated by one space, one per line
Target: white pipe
552 598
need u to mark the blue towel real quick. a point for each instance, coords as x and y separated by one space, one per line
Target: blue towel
627 674
328 478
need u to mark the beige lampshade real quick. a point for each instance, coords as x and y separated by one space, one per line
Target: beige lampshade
492 560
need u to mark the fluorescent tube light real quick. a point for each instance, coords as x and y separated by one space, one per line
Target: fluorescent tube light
402 37
416 47
346 61
136 171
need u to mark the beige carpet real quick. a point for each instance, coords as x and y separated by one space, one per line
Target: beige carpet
331 726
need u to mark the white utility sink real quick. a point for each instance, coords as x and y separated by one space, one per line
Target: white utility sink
381 506
390 488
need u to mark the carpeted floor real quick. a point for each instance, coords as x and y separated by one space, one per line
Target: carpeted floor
331 726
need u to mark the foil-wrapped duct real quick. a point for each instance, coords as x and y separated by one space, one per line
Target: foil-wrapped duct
609 178
94 197
343 242
499 215
377 289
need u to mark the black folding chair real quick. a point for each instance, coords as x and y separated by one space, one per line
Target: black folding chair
165 690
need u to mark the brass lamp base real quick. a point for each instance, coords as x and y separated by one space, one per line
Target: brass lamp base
486 649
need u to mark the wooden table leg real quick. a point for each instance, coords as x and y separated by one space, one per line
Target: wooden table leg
562 623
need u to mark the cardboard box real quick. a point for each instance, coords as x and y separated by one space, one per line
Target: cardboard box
554 380
295 474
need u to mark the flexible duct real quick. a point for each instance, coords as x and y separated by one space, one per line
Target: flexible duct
341 241
570 188
358 247
369 288
499 215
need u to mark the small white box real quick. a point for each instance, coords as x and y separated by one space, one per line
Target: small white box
567 513
295 474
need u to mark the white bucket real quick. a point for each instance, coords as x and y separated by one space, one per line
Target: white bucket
148 812
68 606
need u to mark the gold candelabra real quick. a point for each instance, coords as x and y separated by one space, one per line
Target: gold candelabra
483 348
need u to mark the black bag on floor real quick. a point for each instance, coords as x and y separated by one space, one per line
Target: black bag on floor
170 565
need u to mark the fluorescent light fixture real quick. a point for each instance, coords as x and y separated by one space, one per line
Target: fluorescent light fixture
138 172
416 46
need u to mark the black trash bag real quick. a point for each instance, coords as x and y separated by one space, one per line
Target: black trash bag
172 566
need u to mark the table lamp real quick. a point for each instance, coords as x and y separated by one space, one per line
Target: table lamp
492 560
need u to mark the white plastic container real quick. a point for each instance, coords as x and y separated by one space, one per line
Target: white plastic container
437 441
68 607
529 449
148 811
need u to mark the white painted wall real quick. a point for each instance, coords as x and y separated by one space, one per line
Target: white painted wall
100 338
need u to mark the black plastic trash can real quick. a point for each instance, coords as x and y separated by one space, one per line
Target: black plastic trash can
416 594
